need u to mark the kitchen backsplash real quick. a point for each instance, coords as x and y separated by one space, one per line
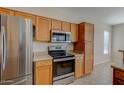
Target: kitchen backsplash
42 46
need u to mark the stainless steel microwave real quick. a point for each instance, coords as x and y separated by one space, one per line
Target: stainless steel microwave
60 36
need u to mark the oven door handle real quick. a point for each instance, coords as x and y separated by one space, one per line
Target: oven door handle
64 59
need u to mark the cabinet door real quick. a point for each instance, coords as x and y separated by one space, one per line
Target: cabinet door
26 15
89 32
88 57
6 11
43 26
43 75
66 26
78 68
74 32
56 25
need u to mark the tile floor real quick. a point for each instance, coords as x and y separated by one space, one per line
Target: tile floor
102 75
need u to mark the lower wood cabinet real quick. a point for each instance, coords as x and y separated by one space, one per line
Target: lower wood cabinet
88 57
79 66
118 77
43 72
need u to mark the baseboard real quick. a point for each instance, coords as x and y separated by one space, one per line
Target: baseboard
105 61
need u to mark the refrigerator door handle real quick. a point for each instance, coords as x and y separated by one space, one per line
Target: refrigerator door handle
4 49
1 49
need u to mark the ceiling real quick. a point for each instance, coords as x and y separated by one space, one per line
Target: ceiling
106 15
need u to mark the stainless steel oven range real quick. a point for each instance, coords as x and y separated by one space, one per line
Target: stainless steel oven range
63 65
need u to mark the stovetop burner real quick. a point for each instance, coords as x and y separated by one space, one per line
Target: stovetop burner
60 54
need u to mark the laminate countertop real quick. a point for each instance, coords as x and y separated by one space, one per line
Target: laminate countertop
39 56
119 66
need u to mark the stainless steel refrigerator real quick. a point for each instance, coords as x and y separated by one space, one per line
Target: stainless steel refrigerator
15 50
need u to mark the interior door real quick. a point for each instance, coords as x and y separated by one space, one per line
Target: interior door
14 48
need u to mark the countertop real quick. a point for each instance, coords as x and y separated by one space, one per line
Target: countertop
76 53
119 66
39 56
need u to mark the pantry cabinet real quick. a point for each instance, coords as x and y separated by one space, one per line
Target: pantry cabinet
56 24
6 11
74 32
43 27
86 44
66 26
26 15
43 72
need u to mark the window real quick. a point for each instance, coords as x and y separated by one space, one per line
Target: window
106 42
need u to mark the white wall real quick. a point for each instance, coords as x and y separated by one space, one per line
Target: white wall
99 56
117 42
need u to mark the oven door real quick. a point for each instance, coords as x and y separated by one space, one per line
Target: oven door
63 68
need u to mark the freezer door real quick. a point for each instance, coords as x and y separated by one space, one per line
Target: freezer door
26 80
17 48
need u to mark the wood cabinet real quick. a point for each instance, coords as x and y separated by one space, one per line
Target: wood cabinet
86 44
88 57
43 27
89 32
6 11
74 32
56 24
118 77
66 26
43 72
26 15
79 66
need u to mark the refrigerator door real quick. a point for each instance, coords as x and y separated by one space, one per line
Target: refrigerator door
17 48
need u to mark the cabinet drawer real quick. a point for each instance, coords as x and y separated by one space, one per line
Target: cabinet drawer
43 63
119 74
118 82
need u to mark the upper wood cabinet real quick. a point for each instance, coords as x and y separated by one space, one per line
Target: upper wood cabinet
85 32
43 27
43 72
56 24
26 15
89 32
74 32
66 26
6 11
